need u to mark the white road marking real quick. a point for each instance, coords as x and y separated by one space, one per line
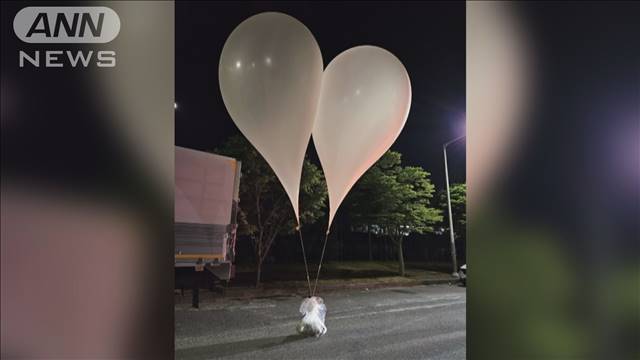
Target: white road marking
430 306
419 300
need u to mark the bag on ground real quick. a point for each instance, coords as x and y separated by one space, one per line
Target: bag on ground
313 310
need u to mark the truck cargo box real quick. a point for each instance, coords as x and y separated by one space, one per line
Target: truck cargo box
206 201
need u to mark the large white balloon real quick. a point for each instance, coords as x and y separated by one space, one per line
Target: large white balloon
364 104
270 76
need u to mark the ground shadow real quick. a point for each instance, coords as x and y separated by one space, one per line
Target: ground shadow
234 348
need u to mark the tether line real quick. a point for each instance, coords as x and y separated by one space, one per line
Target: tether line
320 263
304 256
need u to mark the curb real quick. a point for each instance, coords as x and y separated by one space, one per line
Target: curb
265 293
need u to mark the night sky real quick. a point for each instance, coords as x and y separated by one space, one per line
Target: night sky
428 38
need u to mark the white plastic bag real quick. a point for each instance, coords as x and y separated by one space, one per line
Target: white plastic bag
313 310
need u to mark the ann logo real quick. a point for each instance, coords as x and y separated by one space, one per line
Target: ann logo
42 25
67 24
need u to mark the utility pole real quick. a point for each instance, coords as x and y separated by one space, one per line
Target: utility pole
451 232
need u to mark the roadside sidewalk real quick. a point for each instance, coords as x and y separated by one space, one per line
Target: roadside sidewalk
300 288
336 277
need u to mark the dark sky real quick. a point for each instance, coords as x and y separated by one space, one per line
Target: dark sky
429 38
580 167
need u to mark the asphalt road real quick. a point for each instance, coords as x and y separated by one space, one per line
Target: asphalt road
420 322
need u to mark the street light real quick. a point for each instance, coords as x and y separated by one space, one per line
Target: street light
451 232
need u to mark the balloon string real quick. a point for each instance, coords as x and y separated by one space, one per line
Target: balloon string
304 256
320 264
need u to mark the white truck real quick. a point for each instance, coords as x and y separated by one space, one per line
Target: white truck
206 203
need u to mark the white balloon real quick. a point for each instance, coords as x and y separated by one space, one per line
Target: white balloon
364 104
270 76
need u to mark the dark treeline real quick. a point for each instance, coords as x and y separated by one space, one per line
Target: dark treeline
347 245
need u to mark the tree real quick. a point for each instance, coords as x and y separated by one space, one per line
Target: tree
371 196
458 193
264 210
394 201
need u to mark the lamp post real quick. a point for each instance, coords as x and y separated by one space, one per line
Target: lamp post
451 232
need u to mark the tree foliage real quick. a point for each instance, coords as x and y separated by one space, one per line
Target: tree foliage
458 193
394 201
265 211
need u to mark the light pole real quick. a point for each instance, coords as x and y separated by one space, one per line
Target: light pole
451 232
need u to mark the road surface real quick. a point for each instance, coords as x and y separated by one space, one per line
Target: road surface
420 322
